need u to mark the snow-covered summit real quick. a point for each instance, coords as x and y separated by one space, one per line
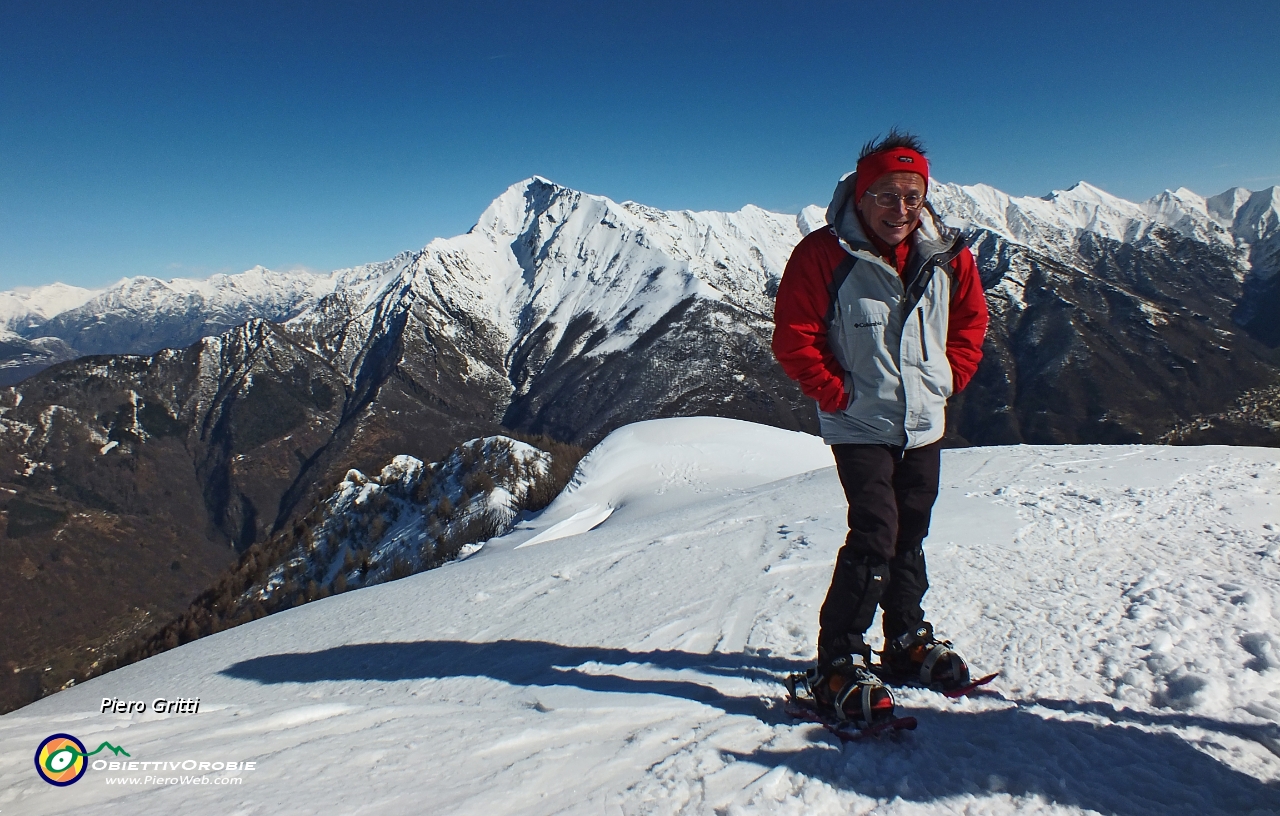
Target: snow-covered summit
543 257
25 306
1255 220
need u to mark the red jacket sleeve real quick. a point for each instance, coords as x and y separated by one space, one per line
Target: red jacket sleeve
968 324
800 320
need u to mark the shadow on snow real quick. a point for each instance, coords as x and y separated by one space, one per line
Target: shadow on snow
1109 767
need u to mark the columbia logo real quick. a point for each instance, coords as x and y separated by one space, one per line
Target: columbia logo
866 325
906 159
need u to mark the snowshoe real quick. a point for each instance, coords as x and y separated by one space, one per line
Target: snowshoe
844 692
917 658
847 731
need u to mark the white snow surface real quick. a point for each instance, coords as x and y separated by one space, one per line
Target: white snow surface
662 464
1127 594
24 306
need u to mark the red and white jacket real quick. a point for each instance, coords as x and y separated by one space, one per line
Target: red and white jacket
862 333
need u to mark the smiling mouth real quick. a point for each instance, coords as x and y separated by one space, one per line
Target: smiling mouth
892 225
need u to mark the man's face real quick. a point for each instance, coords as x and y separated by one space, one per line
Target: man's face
892 224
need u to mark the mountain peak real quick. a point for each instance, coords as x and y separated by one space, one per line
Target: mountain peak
1085 192
1227 203
508 214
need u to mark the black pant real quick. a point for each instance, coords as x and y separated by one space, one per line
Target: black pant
891 494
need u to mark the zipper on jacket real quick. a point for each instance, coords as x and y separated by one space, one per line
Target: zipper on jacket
924 344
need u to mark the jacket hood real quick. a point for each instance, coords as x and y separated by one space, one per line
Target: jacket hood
842 216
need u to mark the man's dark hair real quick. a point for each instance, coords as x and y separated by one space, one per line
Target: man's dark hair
895 138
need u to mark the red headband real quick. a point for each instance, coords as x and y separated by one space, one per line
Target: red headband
897 160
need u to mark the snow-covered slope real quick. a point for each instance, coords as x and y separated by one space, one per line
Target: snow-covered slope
20 308
1128 594
1254 218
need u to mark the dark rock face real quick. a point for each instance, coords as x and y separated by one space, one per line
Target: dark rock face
131 482
704 358
21 357
1118 353
1259 312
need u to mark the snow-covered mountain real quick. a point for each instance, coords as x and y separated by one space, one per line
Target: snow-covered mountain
629 662
543 256
1054 223
1254 220
1240 220
542 259
553 277
1243 223
592 257
141 315
1095 303
23 308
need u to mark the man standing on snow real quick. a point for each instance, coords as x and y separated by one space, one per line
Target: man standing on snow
880 317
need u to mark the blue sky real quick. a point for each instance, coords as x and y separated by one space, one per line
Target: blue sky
183 139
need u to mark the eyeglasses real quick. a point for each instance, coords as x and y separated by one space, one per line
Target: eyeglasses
912 201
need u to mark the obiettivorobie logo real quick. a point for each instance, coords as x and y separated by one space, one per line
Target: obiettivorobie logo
60 759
